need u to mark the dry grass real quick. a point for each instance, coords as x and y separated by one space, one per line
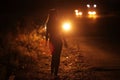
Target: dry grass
25 53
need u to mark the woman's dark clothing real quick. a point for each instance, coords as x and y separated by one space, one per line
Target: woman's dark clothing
55 41
56 44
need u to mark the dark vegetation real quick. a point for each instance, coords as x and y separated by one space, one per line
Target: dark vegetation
21 43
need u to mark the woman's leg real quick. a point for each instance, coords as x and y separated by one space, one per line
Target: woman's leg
57 58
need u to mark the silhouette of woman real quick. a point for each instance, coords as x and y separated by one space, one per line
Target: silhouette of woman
55 39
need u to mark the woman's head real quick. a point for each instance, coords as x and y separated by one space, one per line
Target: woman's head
52 13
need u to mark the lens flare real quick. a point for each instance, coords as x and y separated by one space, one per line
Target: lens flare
66 26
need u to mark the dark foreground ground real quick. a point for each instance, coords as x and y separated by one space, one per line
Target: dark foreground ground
82 60
93 57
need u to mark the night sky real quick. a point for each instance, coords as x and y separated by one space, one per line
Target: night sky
13 6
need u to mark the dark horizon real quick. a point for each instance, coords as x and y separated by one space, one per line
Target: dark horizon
30 5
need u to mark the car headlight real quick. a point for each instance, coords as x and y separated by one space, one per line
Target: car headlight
66 26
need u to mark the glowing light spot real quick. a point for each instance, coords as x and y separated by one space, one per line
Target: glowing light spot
76 11
95 5
66 26
88 5
67 57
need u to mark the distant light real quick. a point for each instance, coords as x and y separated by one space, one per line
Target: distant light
94 12
91 12
88 5
77 14
67 57
94 5
76 11
80 13
92 16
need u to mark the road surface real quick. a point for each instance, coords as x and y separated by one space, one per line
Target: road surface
96 60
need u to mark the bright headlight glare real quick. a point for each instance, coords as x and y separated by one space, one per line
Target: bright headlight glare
66 26
91 12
